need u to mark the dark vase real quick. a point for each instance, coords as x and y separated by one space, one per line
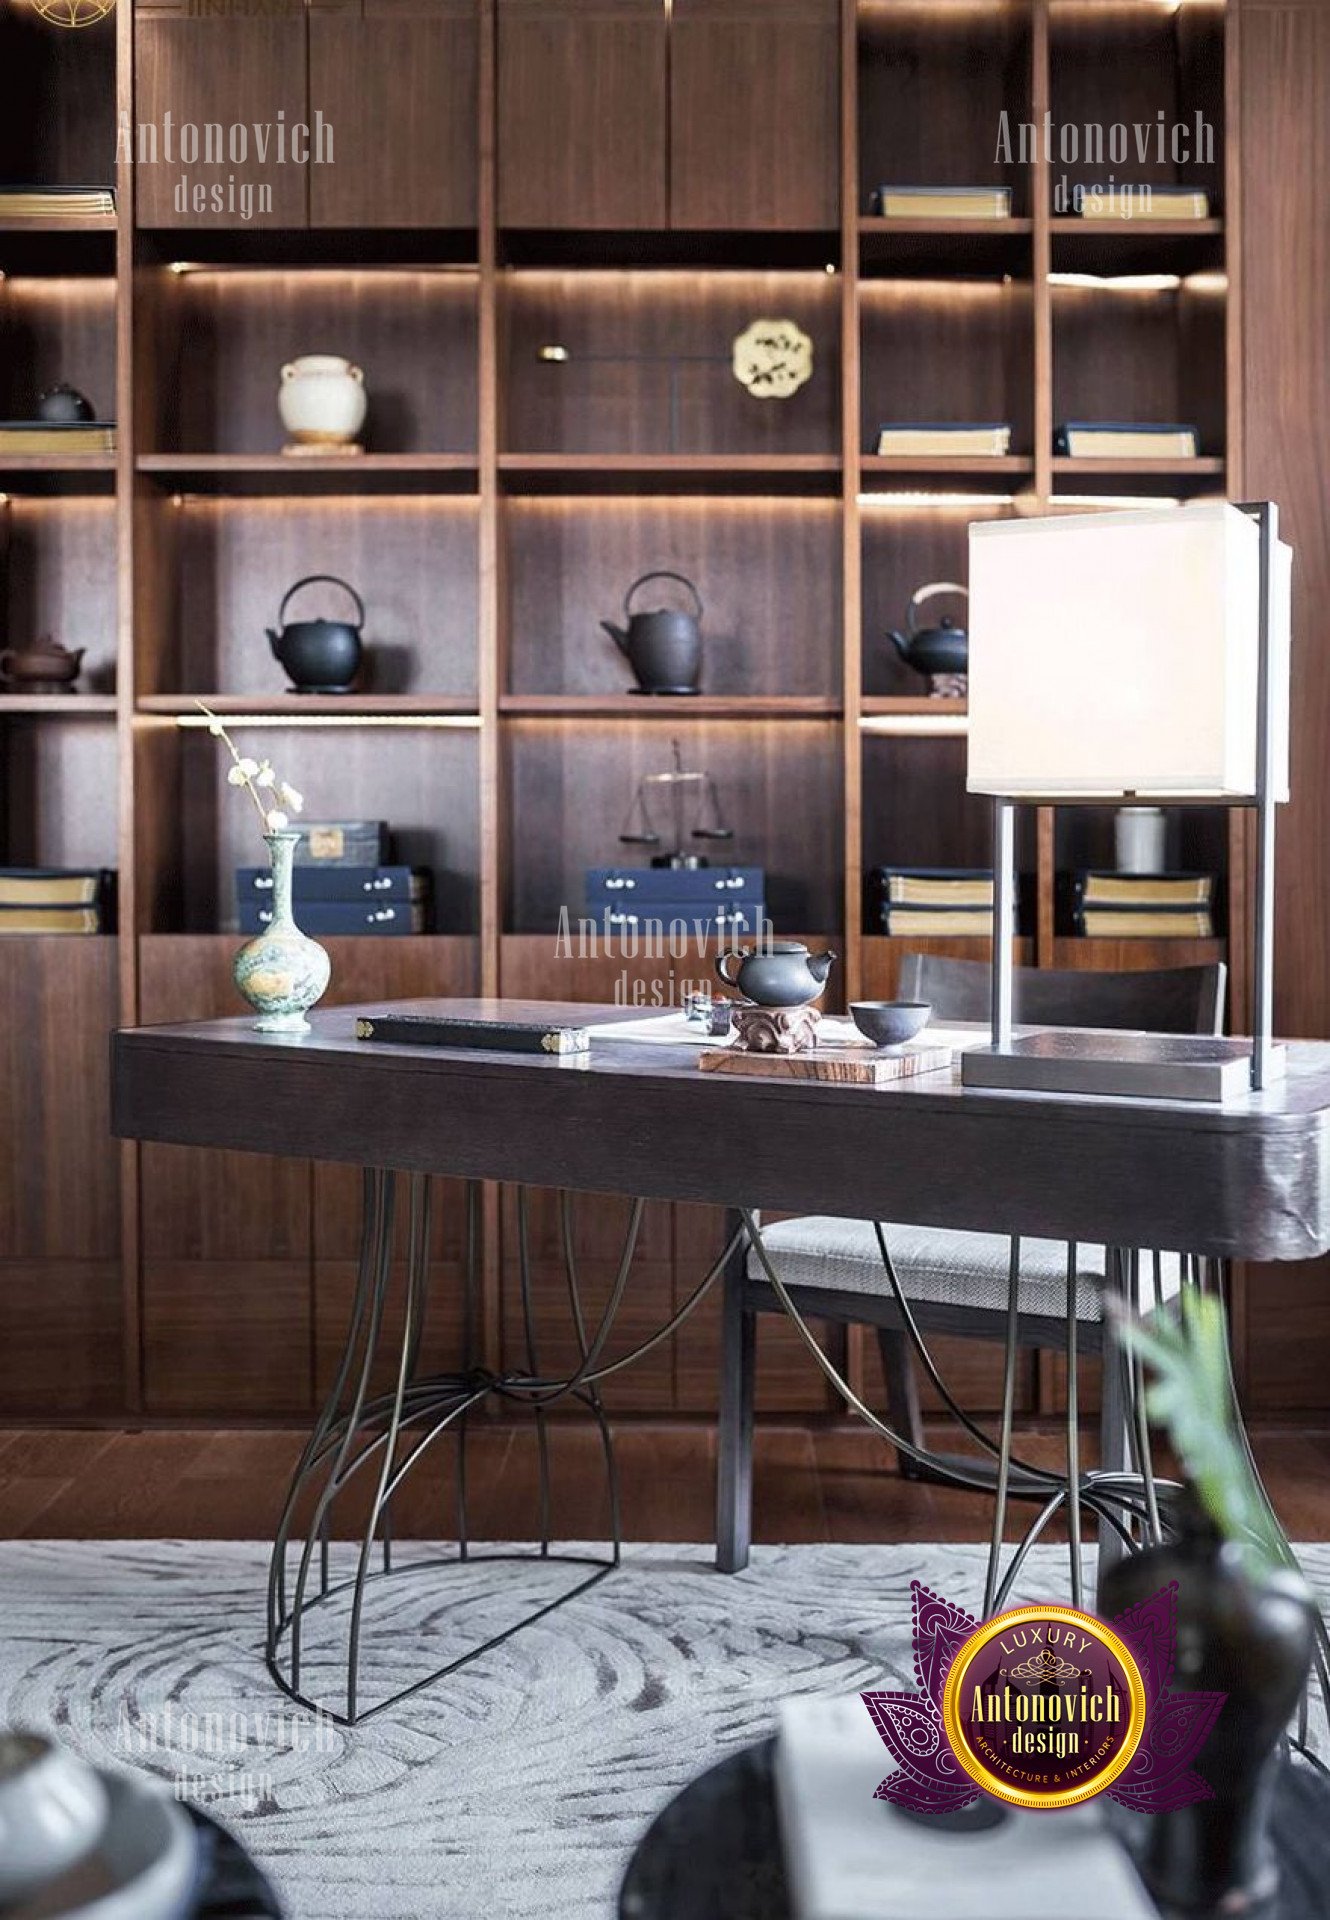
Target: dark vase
1247 1634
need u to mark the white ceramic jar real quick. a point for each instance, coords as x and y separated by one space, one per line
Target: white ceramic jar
322 400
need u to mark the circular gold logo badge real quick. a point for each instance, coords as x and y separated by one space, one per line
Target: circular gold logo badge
73 13
1044 1706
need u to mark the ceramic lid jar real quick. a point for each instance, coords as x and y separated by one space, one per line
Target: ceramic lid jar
322 400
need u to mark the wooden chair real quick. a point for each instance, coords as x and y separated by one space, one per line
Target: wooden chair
956 1283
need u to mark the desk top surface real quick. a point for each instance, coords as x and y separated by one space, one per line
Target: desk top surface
1249 1179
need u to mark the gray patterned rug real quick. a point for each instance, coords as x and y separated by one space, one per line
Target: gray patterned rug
513 1790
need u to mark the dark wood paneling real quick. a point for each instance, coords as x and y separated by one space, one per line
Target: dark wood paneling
58 781
230 70
59 1170
650 366
398 81
57 102
413 562
946 351
226 336
570 792
1286 264
768 573
1139 355
582 113
755 113
934 82
52 329
59 570
228 1337
60 1338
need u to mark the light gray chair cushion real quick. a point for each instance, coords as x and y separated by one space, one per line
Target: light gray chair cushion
943 1266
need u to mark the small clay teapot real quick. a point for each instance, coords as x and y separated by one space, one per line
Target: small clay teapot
46 667
779 973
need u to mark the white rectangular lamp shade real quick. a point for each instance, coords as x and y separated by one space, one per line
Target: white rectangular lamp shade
1118 653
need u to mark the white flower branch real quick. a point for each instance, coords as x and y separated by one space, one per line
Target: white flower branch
257 778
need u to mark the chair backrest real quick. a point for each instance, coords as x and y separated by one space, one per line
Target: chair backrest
1154 1000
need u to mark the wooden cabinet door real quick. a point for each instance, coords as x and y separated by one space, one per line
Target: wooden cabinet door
397 82
754 114
582 113
223 80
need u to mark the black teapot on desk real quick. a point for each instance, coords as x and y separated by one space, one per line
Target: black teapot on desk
663 648
320 656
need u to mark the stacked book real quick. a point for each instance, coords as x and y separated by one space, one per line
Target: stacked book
1118 440
1143 906
59 437
57 900
1142 202
907 439
343 882
942 203
57 203
953 902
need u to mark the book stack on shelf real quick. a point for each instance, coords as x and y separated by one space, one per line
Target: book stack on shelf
1126 440
59 437
908 439
344 882
57 900
942 203
57 203
1143 203
946 902
1143 906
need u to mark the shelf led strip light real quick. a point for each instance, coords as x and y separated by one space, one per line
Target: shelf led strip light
1121 657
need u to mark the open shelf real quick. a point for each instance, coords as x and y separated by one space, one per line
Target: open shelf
928 247
61 706
411 707
1136 246
758 473
704 706
277 473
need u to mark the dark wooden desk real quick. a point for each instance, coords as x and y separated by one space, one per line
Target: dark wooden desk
1250 1181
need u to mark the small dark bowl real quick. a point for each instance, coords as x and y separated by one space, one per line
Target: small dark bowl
889 1023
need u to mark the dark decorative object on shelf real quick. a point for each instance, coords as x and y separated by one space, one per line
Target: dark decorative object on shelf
663 647
320 656
680 785
64 403
1246 1624
942 653
776 973
46 667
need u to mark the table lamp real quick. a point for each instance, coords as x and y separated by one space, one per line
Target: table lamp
1129 657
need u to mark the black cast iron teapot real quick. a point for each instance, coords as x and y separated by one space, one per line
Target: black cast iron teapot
320 656
663 648
944 649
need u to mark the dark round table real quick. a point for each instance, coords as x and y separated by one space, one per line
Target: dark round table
714 1853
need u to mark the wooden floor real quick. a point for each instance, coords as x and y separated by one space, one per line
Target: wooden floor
818 1484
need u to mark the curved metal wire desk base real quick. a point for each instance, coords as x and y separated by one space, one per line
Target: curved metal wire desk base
376 1440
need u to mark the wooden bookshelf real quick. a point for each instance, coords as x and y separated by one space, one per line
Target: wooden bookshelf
582 183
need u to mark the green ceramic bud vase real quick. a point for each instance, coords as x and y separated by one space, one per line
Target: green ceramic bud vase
281 971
